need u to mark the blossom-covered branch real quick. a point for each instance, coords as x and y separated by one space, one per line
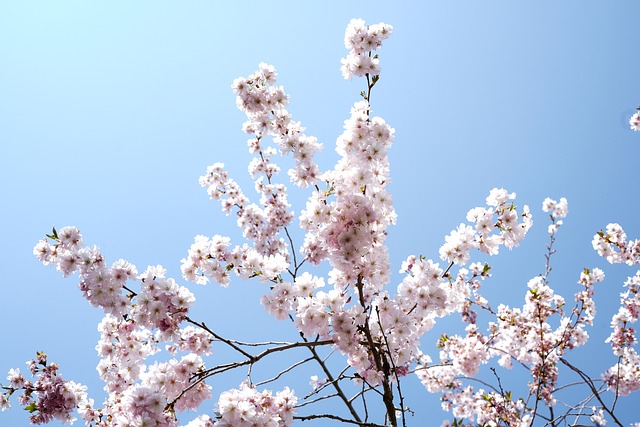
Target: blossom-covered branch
157 361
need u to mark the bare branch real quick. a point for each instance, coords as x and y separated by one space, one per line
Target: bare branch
328 396
335 417
333 381
281 373
218 337
593 388
202 376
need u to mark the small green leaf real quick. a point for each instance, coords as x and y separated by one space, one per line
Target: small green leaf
486 268
53 235
31 408
443 339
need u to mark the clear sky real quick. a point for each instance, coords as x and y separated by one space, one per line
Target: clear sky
110 111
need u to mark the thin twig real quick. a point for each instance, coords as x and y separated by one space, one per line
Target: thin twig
203 375
293 251
281 373
364 401
446 272
327 383
330 377
218 337
481 382
615 400
335 417
495 374
259 344
328 396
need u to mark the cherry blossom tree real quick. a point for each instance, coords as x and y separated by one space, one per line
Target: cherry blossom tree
156 358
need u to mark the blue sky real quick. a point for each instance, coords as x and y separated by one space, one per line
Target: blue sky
110 111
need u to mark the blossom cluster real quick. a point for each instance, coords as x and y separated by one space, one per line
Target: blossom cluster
557 211
247 407
265 104
101 285
138 393
161 303
500 214
123 348
527 336
612 244
361 40
259 224
397 321
345 224
487 408
624 376
161 387
524 335
210 259
49 397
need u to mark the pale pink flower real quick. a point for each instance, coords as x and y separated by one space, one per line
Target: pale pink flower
634 122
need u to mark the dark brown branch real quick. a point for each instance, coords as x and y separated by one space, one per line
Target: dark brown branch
333 381
202 376
293 251
446 272
395 370
335 417
218 337
381 362
593 388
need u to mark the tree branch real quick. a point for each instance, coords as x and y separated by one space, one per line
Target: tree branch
335 417
333 381
593 388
